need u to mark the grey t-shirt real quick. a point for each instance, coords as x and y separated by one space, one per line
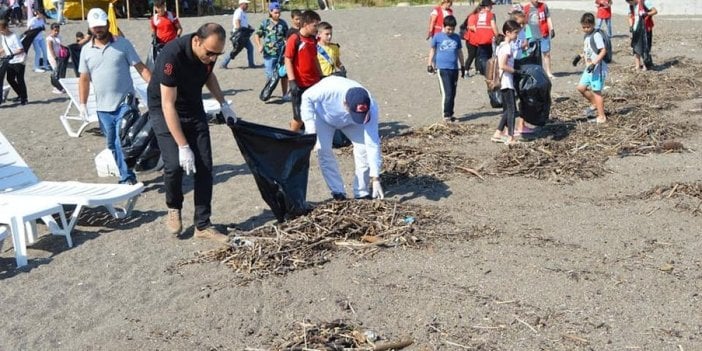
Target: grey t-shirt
109 71
534 21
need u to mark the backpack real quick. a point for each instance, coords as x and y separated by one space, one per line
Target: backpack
607 44
493 78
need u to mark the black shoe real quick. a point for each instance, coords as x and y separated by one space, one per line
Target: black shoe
339 196
24 102
15 99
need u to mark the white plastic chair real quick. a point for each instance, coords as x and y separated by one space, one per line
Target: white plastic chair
17 181
21 215
71 115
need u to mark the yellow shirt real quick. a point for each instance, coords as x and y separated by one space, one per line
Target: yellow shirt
333 52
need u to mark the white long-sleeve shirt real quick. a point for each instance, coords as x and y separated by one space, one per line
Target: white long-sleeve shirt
325 100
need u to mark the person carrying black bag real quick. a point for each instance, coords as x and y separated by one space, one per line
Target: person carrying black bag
58 57
12 58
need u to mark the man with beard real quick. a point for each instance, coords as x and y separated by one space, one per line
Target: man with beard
105 62
179 121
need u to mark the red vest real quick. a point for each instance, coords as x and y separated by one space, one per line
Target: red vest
641 10
483 28
541 11
439 24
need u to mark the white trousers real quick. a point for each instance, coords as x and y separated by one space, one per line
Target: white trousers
327 160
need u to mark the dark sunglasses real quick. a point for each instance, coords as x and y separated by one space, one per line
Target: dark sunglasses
209 53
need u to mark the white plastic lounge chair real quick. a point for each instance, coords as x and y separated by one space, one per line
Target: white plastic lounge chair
17 181
212 106
70 85
21 215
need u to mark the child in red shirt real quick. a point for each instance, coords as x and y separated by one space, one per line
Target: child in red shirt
164 25
604 14
301 63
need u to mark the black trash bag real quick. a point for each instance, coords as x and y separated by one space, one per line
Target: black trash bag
239 38
138 141
495 98
28 37
534 92
271 84
150 158
640 44
279 160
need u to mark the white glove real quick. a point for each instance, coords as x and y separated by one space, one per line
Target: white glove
227 112
378 190
83 111
186 159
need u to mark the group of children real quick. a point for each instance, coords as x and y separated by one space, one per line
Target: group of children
305 47
523 38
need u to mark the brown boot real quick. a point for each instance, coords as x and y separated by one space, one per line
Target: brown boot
174 224
211 233
296 125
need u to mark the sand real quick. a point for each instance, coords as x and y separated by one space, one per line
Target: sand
582 266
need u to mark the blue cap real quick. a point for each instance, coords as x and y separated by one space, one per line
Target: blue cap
358 101
273 6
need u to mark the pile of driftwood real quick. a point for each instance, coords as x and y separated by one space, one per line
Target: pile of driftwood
443 131
364 227
569 148
402 163
689 195
337 335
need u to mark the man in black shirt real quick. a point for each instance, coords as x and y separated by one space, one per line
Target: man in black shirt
180 123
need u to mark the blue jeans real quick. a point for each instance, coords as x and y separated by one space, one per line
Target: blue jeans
269 66
608 22
109 124
249 55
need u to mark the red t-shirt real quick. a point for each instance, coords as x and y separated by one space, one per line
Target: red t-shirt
604 10
304 59
165 27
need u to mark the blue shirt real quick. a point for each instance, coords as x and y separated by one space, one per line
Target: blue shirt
447 47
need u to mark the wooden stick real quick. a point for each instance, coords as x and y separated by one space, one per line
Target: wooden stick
527 324
672 191
393 345
471 171
575 338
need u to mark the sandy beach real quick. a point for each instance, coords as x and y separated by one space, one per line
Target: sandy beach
584 264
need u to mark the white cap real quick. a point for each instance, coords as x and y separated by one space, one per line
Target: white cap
244 2
97 18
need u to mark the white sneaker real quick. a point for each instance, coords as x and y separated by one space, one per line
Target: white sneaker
39 70
57 92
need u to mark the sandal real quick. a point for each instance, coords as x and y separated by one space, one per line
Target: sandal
501 139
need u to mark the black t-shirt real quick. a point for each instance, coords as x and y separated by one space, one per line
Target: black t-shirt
176 66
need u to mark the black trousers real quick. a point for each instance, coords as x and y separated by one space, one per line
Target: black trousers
74 50
483 55
509 111
197 134
15 76
472 53
59 72
448 80
296 102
